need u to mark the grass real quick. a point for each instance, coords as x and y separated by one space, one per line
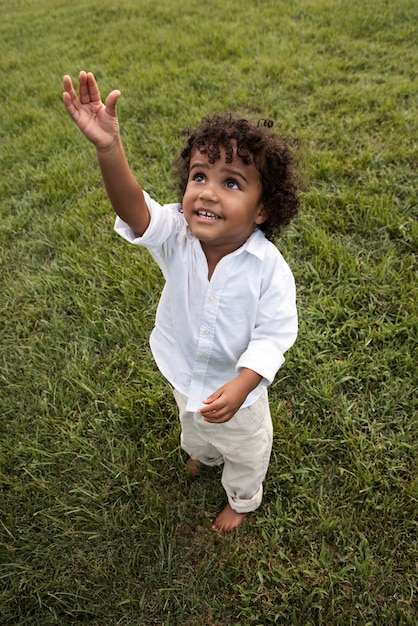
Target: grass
98 523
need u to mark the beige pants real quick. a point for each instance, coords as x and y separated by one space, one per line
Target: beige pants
243 445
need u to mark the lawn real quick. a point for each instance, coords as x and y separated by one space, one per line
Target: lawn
99 523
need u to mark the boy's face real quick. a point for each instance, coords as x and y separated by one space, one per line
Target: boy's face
221 203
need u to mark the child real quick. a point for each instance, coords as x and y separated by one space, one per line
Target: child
227 311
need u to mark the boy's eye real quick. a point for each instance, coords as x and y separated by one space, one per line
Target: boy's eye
232 184
198 178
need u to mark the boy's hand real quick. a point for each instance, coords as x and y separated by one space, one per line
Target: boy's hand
222 405
96 120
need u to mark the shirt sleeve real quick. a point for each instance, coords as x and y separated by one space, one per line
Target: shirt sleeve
162 224
275 330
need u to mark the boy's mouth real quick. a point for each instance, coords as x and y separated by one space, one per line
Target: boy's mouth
208 215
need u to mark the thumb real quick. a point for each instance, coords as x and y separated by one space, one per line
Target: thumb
111 102
214 396
208 400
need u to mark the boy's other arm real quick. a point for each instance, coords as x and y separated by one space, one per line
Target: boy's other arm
99 123
222 405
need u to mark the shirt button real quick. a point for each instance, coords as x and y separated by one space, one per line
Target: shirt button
206 332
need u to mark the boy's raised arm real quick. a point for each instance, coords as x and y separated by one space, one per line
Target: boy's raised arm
99 123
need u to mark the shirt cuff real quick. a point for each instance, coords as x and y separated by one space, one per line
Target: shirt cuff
264 360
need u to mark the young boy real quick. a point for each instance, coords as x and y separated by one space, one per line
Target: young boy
227 312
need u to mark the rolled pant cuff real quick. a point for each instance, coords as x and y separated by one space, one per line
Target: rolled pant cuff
246 506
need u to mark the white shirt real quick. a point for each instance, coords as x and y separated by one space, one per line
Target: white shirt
206 331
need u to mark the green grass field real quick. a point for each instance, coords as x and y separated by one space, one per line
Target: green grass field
99 524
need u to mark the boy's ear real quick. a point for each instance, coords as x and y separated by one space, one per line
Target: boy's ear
262 215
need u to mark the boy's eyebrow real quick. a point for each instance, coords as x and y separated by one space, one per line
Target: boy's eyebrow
229 170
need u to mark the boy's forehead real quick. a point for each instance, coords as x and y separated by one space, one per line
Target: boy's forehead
211 152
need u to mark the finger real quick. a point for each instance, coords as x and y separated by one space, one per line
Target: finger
83 90
88 90
93 88
71 102
68 83
218 419
214 396
212 408
69 92
215 415
207 409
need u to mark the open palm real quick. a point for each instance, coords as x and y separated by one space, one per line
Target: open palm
96 120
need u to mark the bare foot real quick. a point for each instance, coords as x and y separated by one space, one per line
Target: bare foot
193 467
228 519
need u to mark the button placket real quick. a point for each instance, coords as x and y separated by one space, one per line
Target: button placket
207 332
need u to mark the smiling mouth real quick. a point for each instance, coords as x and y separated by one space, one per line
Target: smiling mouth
207 215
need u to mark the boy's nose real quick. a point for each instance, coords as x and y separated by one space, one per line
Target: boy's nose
208 193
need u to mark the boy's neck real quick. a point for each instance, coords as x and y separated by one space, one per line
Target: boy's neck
214 254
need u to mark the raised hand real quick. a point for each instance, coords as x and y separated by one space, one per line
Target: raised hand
96 120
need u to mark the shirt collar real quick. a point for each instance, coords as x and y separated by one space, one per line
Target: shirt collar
254 245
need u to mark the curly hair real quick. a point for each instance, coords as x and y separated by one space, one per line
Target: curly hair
273 156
